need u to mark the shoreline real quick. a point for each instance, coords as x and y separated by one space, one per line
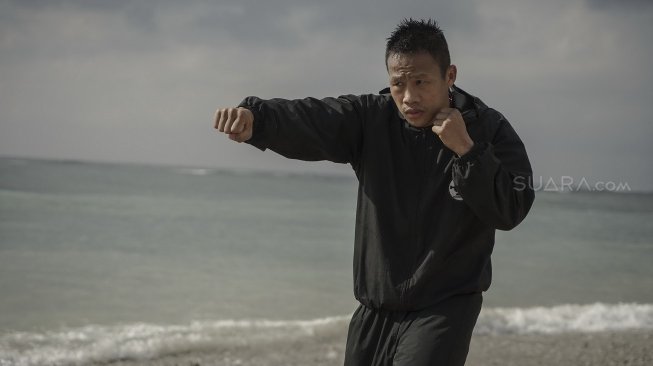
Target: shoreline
634 348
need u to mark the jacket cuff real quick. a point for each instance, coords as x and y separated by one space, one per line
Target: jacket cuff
478 149
258 127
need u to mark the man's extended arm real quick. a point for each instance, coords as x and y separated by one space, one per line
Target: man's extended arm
305 129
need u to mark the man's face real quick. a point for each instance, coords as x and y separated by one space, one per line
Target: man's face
417 86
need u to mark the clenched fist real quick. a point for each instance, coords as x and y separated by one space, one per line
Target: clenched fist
450 127
238 123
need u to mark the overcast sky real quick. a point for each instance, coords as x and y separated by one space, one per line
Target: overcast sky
139 81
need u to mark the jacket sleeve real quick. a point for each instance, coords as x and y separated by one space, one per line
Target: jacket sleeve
495 177
308 129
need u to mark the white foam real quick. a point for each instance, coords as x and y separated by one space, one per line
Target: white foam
89 344
195 171
565 318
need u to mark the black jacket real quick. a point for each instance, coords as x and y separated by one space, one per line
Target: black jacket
425 219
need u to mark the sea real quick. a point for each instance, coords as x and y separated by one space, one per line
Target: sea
102 262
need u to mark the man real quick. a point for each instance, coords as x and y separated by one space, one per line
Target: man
438 173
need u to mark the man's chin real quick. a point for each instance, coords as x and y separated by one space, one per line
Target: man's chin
419 122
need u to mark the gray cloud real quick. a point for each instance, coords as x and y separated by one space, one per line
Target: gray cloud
627 5
139 81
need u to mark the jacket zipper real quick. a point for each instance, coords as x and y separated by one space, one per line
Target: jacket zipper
417 235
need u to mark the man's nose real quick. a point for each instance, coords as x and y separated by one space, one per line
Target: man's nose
410 96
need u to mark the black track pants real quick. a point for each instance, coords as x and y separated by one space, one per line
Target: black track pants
435 336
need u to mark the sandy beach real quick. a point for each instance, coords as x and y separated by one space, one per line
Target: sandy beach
633 348
596 349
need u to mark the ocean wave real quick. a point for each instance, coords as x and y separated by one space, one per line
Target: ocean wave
105 344
196 171
565 318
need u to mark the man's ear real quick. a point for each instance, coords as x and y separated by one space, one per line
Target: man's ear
450 75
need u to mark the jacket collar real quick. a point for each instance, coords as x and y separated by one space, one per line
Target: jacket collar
463 101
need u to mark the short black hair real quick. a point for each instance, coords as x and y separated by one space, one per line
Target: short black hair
414 36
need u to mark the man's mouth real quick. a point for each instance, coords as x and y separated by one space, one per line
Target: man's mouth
413 113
